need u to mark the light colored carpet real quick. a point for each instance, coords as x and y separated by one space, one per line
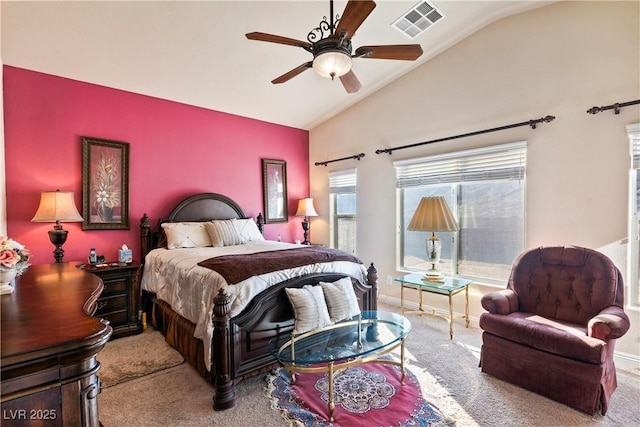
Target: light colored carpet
447 370
136 356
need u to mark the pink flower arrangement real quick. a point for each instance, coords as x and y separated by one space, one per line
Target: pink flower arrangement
13 255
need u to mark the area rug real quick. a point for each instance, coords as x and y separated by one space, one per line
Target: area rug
135 356
365 395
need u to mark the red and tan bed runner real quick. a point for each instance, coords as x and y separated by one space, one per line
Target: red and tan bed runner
236 268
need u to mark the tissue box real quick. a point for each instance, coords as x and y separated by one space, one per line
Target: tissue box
125 256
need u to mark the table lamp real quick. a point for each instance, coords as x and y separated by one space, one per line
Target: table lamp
57 206
433 215
306 209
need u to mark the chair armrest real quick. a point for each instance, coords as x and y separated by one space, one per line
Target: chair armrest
500 302
610 323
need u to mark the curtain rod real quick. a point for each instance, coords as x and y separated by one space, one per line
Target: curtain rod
357 157
532 123
615 107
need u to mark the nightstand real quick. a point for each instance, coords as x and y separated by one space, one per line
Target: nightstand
119 301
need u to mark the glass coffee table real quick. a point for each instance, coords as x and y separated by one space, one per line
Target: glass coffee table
364 339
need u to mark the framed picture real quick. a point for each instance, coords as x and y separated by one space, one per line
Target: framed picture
274 190
105 184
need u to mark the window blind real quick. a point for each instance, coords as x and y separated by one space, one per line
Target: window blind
633 131
499 162
343 182
634 139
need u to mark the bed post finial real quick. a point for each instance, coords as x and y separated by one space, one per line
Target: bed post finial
145 221
224 395
372 280
260 222
145 236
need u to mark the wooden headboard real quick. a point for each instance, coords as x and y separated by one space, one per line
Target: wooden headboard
199 207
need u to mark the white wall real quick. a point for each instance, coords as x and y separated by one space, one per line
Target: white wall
558 60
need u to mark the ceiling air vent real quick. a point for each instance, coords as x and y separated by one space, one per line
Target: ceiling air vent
422 16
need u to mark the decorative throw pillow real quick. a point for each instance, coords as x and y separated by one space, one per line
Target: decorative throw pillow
247 230
186 235
222 232
309 308
341 299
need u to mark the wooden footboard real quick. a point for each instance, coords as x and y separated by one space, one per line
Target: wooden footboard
241 345
245 340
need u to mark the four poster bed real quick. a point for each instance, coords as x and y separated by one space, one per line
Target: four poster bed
224 313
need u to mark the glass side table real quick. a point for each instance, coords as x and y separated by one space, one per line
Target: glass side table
448 286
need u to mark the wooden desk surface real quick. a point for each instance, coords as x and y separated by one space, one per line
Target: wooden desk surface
49 312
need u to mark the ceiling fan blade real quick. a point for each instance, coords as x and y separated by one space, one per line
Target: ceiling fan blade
350 82
291 74
264 37
407 52
353 16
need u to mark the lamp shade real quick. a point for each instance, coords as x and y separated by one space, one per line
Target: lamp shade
433 214
332 63
57 206
305 207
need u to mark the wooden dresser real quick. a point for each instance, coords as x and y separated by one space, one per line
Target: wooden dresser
48 345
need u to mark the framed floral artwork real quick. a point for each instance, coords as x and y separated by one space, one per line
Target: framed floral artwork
274 190
105 184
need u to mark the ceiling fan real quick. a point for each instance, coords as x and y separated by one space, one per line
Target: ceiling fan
330 45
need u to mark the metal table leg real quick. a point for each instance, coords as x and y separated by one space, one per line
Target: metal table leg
450 317
331 401
466 306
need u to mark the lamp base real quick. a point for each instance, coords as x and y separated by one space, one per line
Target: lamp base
58 236
434 247
433 275
305 228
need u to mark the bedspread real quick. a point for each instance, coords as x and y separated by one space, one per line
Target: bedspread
239 267
176 278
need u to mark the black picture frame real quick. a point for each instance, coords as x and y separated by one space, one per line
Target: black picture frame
274 190
105 184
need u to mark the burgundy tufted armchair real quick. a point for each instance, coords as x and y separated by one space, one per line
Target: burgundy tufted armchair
553 330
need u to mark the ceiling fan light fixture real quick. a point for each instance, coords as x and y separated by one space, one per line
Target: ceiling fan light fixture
332 63
330 45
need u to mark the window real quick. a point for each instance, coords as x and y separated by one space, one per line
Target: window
634 216
342 191
485 192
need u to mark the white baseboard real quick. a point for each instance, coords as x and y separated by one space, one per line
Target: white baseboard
625 361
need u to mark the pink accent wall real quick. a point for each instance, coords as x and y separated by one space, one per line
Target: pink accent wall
176 150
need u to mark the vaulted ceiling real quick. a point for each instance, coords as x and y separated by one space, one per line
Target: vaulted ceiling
196 52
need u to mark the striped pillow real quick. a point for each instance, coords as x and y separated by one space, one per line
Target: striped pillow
341 299
223 232
309 308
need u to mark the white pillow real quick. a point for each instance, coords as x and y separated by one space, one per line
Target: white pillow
309 308
186 235
341 299
222 232
247 230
